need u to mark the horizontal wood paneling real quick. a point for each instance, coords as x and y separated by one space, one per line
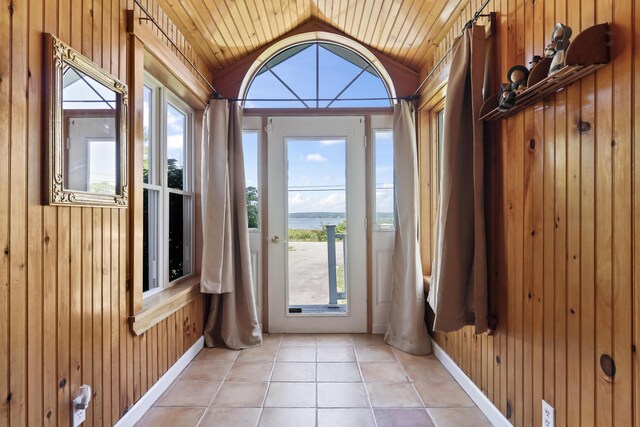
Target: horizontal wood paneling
562 223
63 271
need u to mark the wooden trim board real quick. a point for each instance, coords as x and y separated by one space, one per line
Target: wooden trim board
484 404
164 304
147 400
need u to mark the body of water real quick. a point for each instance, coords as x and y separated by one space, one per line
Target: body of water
318 223
312 223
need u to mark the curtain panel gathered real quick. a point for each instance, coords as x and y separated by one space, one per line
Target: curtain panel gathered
406 329
226 260
458 293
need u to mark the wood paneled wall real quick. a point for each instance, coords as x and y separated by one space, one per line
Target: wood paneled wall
563 227
63 271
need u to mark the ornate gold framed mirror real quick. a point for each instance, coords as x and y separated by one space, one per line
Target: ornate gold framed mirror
86 131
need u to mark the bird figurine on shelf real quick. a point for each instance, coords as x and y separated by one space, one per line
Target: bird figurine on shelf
517 77
557 49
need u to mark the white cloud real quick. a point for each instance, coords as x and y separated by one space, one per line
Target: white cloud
314 202
331 141
333 201
316 158
175 141
296 199
384 201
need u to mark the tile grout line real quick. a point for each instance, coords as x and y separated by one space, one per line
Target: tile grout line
366 389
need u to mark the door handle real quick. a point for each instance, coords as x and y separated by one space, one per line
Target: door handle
276 239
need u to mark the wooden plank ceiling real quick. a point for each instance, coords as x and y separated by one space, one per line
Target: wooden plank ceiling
224 31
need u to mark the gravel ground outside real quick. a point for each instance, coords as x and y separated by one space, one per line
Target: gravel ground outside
308 272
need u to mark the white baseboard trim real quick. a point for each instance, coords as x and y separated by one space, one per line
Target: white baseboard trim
378 328
140 408
479 398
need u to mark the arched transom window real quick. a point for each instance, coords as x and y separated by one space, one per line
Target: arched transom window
317 75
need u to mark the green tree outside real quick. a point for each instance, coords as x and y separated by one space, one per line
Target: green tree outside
252 207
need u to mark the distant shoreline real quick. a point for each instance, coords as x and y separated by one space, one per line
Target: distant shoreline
317 215
317 220
332 215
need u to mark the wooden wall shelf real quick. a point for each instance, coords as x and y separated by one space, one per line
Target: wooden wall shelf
588 52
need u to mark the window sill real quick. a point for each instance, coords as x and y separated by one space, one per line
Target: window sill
163 304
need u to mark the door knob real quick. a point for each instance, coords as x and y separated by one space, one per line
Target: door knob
275 239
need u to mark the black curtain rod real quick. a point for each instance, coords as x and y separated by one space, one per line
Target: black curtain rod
468 25
388 98
214 92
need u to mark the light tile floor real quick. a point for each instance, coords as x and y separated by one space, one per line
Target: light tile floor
324 380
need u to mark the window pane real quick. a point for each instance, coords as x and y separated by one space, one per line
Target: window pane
82 92
383 161
317 211
250 148
150 240
316 70
440 139
176 127
146 133
102 165
179 236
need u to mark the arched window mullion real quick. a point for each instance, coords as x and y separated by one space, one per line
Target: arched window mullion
285 85
333 74
348 85
317 75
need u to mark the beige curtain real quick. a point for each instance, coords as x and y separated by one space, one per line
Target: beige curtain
458 293
406 329
226 259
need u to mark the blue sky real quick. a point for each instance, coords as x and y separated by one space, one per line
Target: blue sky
176 123
316 176
299 73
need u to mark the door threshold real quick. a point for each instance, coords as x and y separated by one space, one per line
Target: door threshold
318 309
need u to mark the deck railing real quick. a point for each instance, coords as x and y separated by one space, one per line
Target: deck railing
334 295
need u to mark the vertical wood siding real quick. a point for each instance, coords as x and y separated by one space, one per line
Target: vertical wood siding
563 226
63 270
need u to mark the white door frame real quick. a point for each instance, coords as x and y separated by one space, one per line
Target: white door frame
254 123
352 129
382 244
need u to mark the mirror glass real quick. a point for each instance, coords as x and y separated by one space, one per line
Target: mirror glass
86 113
90 130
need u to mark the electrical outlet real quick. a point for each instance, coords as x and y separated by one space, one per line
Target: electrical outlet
79 416
548 415
80 404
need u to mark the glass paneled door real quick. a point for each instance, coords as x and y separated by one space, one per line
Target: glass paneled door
317 224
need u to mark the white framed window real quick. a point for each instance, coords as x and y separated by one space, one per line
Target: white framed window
168 199
251 152
440 131
383 178
317 74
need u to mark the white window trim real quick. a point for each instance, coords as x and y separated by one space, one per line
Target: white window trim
161 96
379 124
254 124
311 37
